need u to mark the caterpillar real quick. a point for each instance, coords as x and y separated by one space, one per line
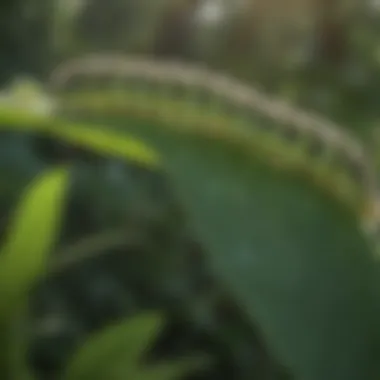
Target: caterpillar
192 99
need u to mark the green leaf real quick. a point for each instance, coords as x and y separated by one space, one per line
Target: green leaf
292 255
31 236
103 141
125 342
294 258
23 259
168 371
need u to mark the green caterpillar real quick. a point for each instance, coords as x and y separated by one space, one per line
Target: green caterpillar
194 100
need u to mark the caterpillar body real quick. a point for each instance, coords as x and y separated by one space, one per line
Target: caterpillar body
191 99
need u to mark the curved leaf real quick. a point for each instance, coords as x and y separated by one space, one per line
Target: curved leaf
23 260
116 352
80 134
31 236
126 341
292 255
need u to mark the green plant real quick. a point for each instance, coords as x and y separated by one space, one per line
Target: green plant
280 202
23 259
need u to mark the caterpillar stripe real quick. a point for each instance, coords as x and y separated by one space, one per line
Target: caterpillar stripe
193 99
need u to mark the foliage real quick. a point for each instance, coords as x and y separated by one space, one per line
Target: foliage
25 38
154 249
23 259
305 299
324 58
120 347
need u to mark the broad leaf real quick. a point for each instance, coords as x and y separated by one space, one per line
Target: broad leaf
293 256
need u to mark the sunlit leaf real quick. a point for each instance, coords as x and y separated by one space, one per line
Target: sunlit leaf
104 142
32 235
292 255
31 238
127 341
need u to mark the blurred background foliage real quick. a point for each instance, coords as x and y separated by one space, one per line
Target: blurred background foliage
321 54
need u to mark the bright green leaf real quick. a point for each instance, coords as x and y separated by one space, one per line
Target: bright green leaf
127 340
293 257
104 142
31 237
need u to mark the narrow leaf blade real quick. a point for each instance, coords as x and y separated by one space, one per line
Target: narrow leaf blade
128 339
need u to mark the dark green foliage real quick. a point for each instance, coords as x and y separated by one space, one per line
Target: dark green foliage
177 242
25 38
18 165
105 25
55 330
158 266
259 200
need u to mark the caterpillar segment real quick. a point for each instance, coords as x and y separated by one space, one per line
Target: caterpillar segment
190 99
